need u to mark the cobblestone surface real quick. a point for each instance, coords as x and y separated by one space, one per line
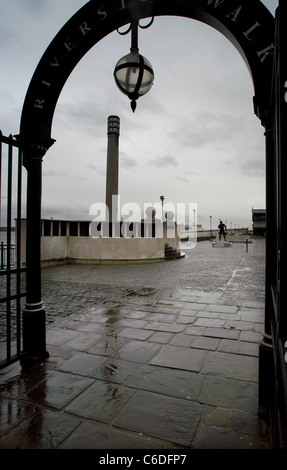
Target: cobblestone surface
236 274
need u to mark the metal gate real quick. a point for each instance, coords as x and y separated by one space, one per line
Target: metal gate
12 275
278 310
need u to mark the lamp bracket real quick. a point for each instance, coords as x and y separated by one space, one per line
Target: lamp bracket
137 23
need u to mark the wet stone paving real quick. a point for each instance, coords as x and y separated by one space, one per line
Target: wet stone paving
145 356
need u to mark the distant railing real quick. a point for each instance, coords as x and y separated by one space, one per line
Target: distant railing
125 230
4 257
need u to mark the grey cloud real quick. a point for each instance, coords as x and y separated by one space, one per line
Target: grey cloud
204 129
82 115
253 168
8 38
165 161
192 172
183 179
186 179
55 173
61 210
127 162
34 6
91 166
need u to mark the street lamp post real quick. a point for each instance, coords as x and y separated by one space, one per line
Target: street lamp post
162 199
210 219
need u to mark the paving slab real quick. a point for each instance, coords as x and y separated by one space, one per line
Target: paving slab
179 358
137 351
115 370
230 332
221 308
107 345
244 368
171 382
101 401
13 413
209 437
82 364
161 356
58 389
229 393
96 436
208 344
45 429
240 347
135 333
167 418
161 337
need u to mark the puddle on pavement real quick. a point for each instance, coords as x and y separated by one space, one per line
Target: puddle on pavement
112 311
144 291
112 315
111 321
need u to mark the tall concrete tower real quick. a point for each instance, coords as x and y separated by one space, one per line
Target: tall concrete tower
112 179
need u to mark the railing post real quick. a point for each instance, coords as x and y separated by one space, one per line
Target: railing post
2 256
34 319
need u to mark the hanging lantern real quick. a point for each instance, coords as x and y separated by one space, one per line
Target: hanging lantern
133 73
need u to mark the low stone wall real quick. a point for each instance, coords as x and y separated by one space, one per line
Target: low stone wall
85 249
54 248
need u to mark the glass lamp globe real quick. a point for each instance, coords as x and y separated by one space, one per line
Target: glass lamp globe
134 76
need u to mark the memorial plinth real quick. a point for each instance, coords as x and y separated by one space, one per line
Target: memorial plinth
221 244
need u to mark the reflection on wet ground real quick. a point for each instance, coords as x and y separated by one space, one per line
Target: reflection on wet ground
160 356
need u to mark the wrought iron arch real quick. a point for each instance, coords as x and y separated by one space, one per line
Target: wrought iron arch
247 24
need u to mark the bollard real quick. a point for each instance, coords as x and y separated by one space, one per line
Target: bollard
246 245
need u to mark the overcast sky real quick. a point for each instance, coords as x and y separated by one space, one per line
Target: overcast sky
193 138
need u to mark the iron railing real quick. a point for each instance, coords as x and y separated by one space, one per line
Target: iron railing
11 273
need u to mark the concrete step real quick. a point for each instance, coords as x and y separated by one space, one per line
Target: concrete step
171 253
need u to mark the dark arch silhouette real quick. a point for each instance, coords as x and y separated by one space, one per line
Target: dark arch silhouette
246 23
